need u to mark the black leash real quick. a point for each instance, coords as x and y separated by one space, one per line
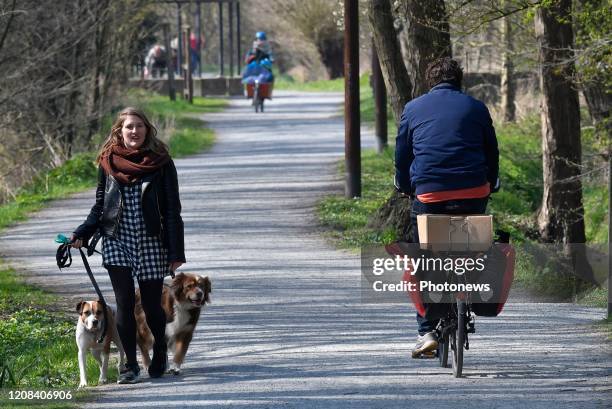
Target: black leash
64 259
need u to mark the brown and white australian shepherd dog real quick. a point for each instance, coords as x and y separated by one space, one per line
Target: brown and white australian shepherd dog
89 329
182 302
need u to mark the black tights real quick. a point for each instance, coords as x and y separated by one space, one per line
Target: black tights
150 295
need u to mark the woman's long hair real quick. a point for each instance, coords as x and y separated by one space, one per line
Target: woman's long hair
151 143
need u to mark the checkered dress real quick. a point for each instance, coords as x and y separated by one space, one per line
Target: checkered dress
132 247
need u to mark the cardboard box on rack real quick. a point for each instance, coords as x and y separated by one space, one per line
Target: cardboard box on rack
440 232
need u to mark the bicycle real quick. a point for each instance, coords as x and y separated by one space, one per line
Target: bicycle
259 91
453 328
456 314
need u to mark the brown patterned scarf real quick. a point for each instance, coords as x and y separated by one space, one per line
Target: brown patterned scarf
128 166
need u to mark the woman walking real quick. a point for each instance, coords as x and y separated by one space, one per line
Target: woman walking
138 213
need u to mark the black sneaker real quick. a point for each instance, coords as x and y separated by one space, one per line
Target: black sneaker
129 374
159 363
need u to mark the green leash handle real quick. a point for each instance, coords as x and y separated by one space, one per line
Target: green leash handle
62 239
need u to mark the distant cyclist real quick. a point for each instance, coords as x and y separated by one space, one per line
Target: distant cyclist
446 158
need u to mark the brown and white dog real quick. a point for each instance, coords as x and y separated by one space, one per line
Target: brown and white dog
182 302
89 329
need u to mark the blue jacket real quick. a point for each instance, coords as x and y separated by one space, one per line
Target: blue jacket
256 72
445 141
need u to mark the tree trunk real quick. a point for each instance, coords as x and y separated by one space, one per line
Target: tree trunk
426 45
379 94
397 81
561 217
332 57
508 85
598 101
425 38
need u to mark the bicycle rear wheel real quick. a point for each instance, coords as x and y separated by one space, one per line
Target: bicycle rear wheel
458 339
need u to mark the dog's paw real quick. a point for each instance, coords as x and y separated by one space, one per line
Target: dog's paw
82 385
173 371
102 381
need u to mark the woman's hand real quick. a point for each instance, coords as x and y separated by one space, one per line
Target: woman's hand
174 265
76 243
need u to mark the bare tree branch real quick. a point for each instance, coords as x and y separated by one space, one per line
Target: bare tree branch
8 24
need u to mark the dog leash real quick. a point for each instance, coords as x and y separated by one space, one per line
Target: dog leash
64 260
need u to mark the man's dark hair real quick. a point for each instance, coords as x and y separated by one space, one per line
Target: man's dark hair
444 70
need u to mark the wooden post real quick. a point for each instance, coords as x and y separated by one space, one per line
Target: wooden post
169 64
179 51
230 16
238 38
221 67
187 77
352 137
380 102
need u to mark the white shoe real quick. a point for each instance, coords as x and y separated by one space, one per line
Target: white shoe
425 343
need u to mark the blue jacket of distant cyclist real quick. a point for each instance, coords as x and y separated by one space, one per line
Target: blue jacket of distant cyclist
445 141
257 71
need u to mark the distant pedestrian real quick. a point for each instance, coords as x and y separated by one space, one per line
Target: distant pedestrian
138 213
195 45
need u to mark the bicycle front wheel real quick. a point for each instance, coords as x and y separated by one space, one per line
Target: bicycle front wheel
256 98
459 339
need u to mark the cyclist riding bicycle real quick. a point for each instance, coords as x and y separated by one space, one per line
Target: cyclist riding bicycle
446 159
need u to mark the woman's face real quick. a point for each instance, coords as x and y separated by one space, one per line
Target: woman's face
134 132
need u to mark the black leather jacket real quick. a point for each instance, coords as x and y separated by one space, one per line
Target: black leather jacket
161 210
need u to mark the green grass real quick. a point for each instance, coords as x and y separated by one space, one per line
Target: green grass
595 298
74 175
157 104
348 218
285 82
38 349
190 137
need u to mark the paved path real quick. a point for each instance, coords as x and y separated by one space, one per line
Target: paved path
286 327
